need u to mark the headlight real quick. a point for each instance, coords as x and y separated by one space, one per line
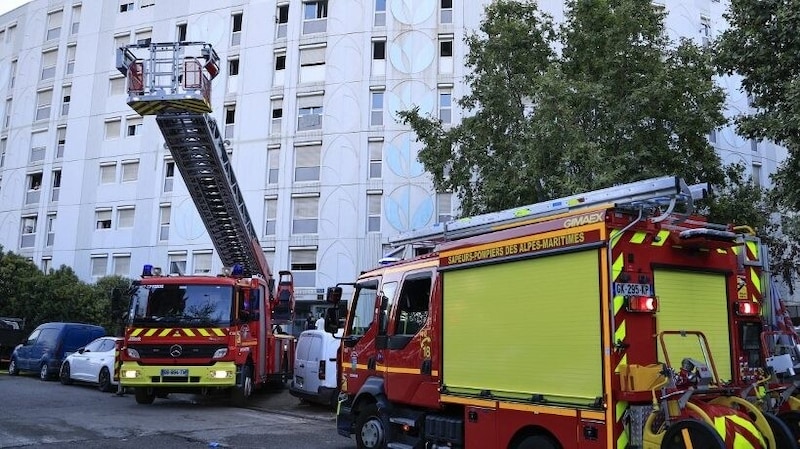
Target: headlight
221 374
220 353
130 374
132 353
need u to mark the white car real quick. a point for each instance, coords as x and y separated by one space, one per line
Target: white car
93 363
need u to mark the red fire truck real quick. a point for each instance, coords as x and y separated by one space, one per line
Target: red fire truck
201 334
613 319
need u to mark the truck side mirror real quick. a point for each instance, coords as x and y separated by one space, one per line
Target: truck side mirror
332 320
333 295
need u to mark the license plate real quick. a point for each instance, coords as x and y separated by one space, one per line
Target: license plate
632 289
174 372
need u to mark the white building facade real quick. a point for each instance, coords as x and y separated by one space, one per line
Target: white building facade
307 99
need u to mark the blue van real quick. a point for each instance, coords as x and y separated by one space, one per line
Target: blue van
48 345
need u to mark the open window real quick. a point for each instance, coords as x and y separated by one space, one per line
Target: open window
412 309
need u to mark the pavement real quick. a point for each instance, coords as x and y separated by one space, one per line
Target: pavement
283 402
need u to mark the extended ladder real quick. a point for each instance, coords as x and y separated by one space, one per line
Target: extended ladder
665 191
172 82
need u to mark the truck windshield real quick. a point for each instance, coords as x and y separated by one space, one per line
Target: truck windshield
185 305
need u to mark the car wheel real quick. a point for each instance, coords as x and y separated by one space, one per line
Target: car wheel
13 369
536 442
144 395
104 380
44 372
64 374
370 428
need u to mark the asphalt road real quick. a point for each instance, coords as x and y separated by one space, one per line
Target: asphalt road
36 414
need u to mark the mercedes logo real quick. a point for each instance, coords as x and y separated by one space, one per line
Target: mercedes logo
175 351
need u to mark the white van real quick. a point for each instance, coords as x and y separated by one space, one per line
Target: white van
315 367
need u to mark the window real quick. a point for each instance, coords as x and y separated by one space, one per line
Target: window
273 161
76 19
305 214
130 171
375 159
444 204
47 264
34 182
374 212
271 212
112 128
712 136
169 175
61 141
143 37
122 264
54 20
446 54
3 143
125 216
70 65
99 264
177 263
121 40
134 126
49 60
236 29
180 32
312 64
412 305
754 145
376 109
705 31
303 263
446 12
165 210
230 121
201 262
380 13
7 118
38 146
282 18
756 175
233 67
315 15
309 113
44 99
277 115
51 229
125 5
379 57
13 74
116 85
445 107
28 237
280 60
108 173
306 163
56 186
102 219
66 97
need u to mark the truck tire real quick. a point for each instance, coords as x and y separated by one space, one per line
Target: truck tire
792 421
144 395
537 442
783 434
240 393
702 436
371 428
13 369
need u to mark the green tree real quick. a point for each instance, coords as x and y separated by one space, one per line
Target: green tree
617 102
761 46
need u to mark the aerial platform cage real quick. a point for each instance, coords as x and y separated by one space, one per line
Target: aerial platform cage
167 76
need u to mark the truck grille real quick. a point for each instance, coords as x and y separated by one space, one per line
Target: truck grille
169 351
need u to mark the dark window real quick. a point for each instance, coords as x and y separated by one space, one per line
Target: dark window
280 62
447 4
379 50
446 48
233 67
283 14
237 22
277 113
181 32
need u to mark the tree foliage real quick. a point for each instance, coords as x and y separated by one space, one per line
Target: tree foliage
27 292
603 99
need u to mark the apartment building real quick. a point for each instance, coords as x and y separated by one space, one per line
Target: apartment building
307 100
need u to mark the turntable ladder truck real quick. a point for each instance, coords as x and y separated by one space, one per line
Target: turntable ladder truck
609 319
226 334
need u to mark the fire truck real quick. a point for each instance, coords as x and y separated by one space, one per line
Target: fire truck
613 319
189 333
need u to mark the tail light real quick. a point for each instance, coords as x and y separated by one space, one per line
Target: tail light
321 370
747 308
642 304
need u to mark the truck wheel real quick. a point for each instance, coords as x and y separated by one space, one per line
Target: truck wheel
783 434
537 442
792 421
370 428
144 395
13 369
63 375
691 433
241 393
44 372
104 380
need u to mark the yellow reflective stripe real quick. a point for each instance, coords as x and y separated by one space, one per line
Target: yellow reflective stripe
661 238
136 332
719 424
750 427
624 361
203 332
622 441
150 332
736 250
620 333
740 442
753 247
687 439
616 268
188 332
638 237
219 332
165 332
755 279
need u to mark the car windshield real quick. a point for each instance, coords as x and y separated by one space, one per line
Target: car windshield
184 305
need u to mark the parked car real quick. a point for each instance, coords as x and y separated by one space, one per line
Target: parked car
315 367
93 363
48 345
